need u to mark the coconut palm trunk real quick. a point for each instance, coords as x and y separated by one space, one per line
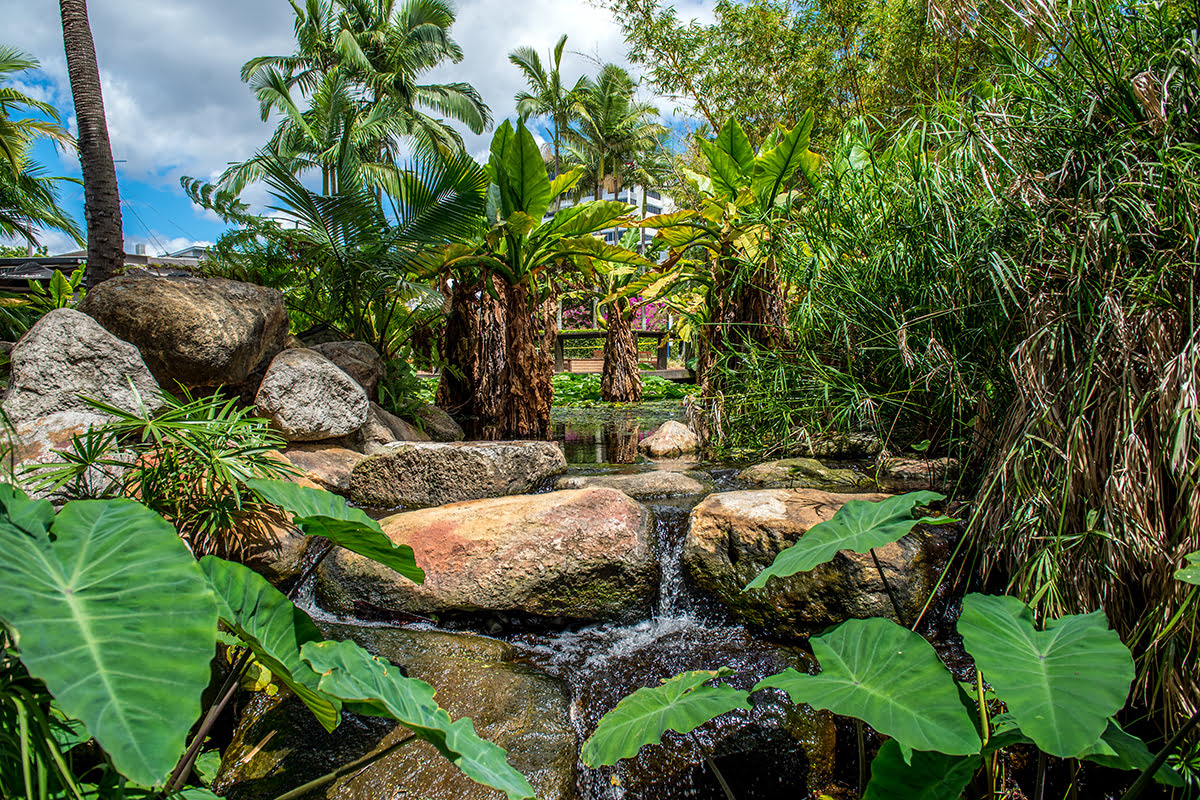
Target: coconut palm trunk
102 202
622 380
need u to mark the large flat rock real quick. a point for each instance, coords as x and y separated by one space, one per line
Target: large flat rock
576 555
278 745
418 474
642 485
733 536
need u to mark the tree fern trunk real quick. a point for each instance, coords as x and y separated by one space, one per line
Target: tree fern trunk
622 381
102 202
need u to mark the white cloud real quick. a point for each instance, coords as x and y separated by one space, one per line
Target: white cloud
169 70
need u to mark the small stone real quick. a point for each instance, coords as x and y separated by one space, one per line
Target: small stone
672 439
307 398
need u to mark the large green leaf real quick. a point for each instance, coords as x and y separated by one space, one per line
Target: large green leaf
889 677
32 516
775 168
501 202
273 628
857 526
526 174
584 219
1117 749
726 175
732 140
369 685
930 776
1061 684
565 182
1190 573
317 512
111 610
681 704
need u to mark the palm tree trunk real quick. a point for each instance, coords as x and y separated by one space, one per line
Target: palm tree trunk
474 383
622 381
530 389
102 201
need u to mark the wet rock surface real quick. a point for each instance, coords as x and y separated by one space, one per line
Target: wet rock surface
804 473
642 485
429 474
733 536
516 706
576 555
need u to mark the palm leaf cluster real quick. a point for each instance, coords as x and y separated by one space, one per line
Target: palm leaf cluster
29 198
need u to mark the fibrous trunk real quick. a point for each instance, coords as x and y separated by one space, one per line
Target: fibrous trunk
622 381
474 381
530 390
102 203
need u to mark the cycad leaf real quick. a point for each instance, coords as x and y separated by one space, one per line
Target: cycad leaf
1191 573
369 685
274 630
732 140
114 614
775 168
1061 684
930 776
681 704
857 526
317 512
889 677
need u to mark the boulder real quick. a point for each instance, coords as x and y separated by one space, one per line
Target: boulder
198 332
327 466
578 555
909 474
278 744
733 536
434 473
439 425
67 354
307 398
671 440
381 429
642 485
359 360
804 473
44 440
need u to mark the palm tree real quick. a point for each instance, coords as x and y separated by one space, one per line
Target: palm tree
102 201
613 128
548 95
28 199
358 63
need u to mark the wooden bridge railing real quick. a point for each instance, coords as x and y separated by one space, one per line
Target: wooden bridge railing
662 350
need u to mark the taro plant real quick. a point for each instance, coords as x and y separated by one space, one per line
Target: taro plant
108 610
1060 684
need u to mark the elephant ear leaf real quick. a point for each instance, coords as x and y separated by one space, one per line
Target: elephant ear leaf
527 179
317 512
930 776
1191 573
734 142
889 677
73 598
773 170
1117 749
274 630
34 517
858 526
1061 684
681 704
726 175
370 685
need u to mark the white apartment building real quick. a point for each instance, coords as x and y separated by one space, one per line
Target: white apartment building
656 202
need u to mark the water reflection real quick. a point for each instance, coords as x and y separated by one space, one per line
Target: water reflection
609 434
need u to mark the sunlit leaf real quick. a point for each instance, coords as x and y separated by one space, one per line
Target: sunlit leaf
1061 684
680 704
889 677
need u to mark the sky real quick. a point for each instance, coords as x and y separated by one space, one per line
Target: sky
175 105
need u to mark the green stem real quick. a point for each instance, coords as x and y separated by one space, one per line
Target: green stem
862 756
720 778
225 694
887 587
353 766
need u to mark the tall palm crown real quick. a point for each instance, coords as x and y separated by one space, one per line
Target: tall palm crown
358 63
548 96
613 130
